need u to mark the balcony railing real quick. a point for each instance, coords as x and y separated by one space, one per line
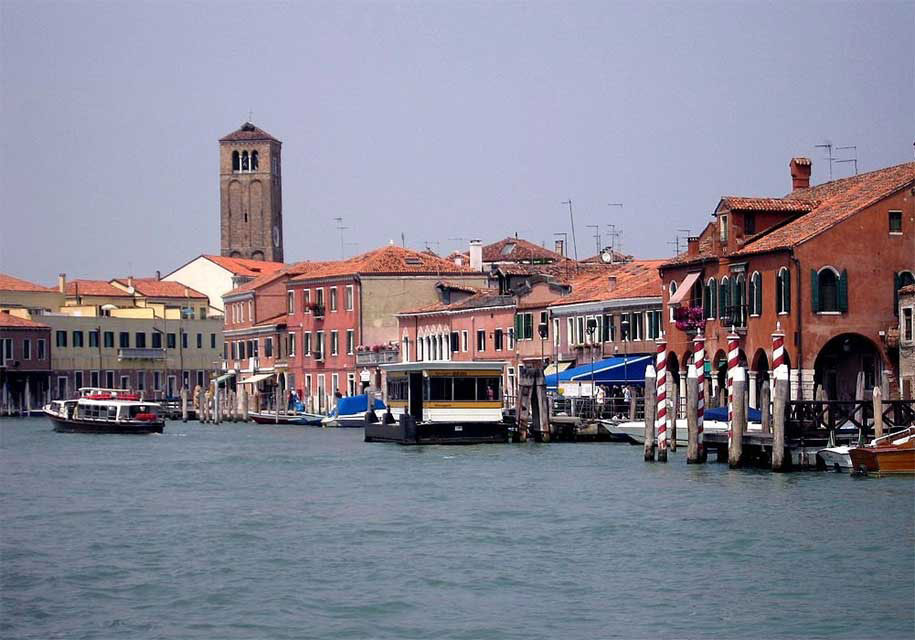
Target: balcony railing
382 356
141 353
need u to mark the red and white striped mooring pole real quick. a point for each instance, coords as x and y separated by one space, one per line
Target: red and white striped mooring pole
699 365
661 365
778 350
733 355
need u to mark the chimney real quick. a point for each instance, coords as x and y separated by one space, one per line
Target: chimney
130 282
476 255
692 246
611 283
800 173
62 282
560 247
158 275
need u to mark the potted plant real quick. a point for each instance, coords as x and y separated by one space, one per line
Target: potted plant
689 319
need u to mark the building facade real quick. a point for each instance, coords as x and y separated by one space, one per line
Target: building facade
251 195
25 362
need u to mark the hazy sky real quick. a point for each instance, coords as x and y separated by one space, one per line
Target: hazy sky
440 120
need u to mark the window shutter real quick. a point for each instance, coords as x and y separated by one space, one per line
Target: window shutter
843 291
786 291
815 289
519 328
722 295
758 294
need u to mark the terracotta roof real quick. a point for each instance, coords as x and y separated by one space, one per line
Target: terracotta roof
95 288
518 250
837 201
458 286
271 320
390 259
463 255
245 267
636 279
9 320
247 131
482 300
289 270
9 283
152 288
737 203
564 271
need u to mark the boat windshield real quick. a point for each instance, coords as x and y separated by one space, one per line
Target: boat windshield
136 409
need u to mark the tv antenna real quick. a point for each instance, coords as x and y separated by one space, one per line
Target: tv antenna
341 229
676 240
596 228
828 146
438 246
572 220
614 236
854 159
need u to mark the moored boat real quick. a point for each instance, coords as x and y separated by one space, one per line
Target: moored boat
350 412
291 418
894 453
105 411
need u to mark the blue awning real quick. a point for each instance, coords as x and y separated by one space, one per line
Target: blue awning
616 370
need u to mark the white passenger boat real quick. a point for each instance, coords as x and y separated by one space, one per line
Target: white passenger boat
98 410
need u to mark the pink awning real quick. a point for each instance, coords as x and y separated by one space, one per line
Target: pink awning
684 289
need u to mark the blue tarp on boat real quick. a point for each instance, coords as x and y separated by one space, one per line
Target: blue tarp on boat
353 405
720 414
616 370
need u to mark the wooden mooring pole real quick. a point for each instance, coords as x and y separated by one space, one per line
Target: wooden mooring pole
764 409
650 407
244 404
739 415
878 412
183 404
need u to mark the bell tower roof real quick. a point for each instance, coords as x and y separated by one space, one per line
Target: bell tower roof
248 132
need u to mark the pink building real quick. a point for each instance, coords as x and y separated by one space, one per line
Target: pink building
25 362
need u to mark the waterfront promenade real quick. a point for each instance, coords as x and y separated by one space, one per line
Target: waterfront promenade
247 531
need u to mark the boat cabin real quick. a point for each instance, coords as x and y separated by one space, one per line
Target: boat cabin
445 391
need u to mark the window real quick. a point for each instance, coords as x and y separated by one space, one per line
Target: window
351 383
723 228
170 341
333 298
606 328
580 330
783 291
212 341
749 223
319 301
724 298
200 341
497 339
78 339
200 378
254 160
78 379
236 161
251 310
754 296
637 326
335 382
156 340
654 324
203 313
711 299
157 381
830 290
511 338
556 332
455 342
907 325
739 314
244 160
125 382
6 349
252 348
348 298
109 379
141 380
319 345
140 340
481 340
123 339
306 343
183 339
94 378
895 221
290 344
350 341
290 302
268 347
673 290
464 341
306 300
41 355
334 342
93 339
61 338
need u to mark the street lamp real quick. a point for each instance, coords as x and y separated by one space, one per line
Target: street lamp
592 327
624 333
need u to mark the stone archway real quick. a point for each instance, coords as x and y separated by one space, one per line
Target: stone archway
759 371
839 361
719 374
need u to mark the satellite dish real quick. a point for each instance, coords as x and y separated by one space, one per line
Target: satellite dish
606 257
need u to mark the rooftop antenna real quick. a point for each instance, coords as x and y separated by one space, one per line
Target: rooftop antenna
462 242
614 236
250 115
403 240
596 228
341 229
855 159
676 240
438 245
572 220
828 146
565 240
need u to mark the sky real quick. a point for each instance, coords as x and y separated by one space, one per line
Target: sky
441 121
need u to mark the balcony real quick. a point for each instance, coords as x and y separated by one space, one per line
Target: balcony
372 357
140 353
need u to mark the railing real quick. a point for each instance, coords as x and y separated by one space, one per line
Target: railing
384 356
809 419
141 353
592 409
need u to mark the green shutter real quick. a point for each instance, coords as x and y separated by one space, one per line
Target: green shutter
815 290
519 327
786 286
843 291
758 294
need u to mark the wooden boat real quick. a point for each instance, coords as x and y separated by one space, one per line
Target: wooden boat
105 411
296 418
350 412
441 403
894 453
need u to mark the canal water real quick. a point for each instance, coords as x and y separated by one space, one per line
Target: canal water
245 531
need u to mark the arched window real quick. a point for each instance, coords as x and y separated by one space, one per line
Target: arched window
672 289
419 350
740 301
254 161
235 162
900 280
783 291
830 290
711 299
244 161
755 294
724 298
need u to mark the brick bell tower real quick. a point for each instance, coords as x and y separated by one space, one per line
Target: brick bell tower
250 195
